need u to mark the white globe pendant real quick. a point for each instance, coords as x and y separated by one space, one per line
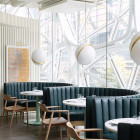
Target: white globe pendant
39 56
135 48
85 54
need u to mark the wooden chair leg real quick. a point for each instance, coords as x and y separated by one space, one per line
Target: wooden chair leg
16 117
12 118
101 135
3 115
23 115
67 133
7 115
20 116
46 127
60 132
39 136
48 131
49 127
27 119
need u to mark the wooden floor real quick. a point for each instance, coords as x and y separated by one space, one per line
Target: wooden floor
20 131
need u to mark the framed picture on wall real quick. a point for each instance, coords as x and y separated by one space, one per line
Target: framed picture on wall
17 63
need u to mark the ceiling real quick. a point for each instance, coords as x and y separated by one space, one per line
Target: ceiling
53 5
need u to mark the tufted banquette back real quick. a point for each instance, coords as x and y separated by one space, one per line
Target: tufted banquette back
14 88
128 131
100 110
54 96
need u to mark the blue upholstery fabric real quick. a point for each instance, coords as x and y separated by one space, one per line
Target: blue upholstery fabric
15 88
75 115
100 110
124 131
31 103
128 131
135 132
112 136
54 96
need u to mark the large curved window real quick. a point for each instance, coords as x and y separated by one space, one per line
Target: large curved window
108 25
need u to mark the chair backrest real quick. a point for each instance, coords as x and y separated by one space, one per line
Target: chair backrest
7 97
54 96
43 107
71 131
14 88
100 110
43 110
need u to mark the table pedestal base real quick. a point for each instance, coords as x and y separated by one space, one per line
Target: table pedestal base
36 121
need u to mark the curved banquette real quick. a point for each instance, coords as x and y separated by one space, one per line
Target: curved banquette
14 89
100 110
54 96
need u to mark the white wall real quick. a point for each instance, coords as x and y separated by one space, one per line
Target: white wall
15 29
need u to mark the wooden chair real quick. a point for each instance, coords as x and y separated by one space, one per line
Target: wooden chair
76 133
15 108
52 121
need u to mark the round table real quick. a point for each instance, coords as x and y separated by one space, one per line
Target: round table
36 93
112 125
75 102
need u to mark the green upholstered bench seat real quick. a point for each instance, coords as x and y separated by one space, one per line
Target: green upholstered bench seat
128 131
100 110
54 96
75 115
14 88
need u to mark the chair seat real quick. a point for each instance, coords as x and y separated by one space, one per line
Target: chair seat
55 121
10 108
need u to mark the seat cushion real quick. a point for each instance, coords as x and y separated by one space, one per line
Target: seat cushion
75 115
31 103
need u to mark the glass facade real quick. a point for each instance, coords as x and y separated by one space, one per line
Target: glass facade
109 26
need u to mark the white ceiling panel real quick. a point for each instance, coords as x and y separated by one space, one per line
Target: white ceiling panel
63 6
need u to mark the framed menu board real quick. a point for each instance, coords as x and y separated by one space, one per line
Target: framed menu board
17 63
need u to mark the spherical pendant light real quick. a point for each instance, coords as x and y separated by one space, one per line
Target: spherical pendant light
85 54
39 56
135 48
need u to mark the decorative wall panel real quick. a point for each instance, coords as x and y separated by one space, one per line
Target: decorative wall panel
14 31
17 66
